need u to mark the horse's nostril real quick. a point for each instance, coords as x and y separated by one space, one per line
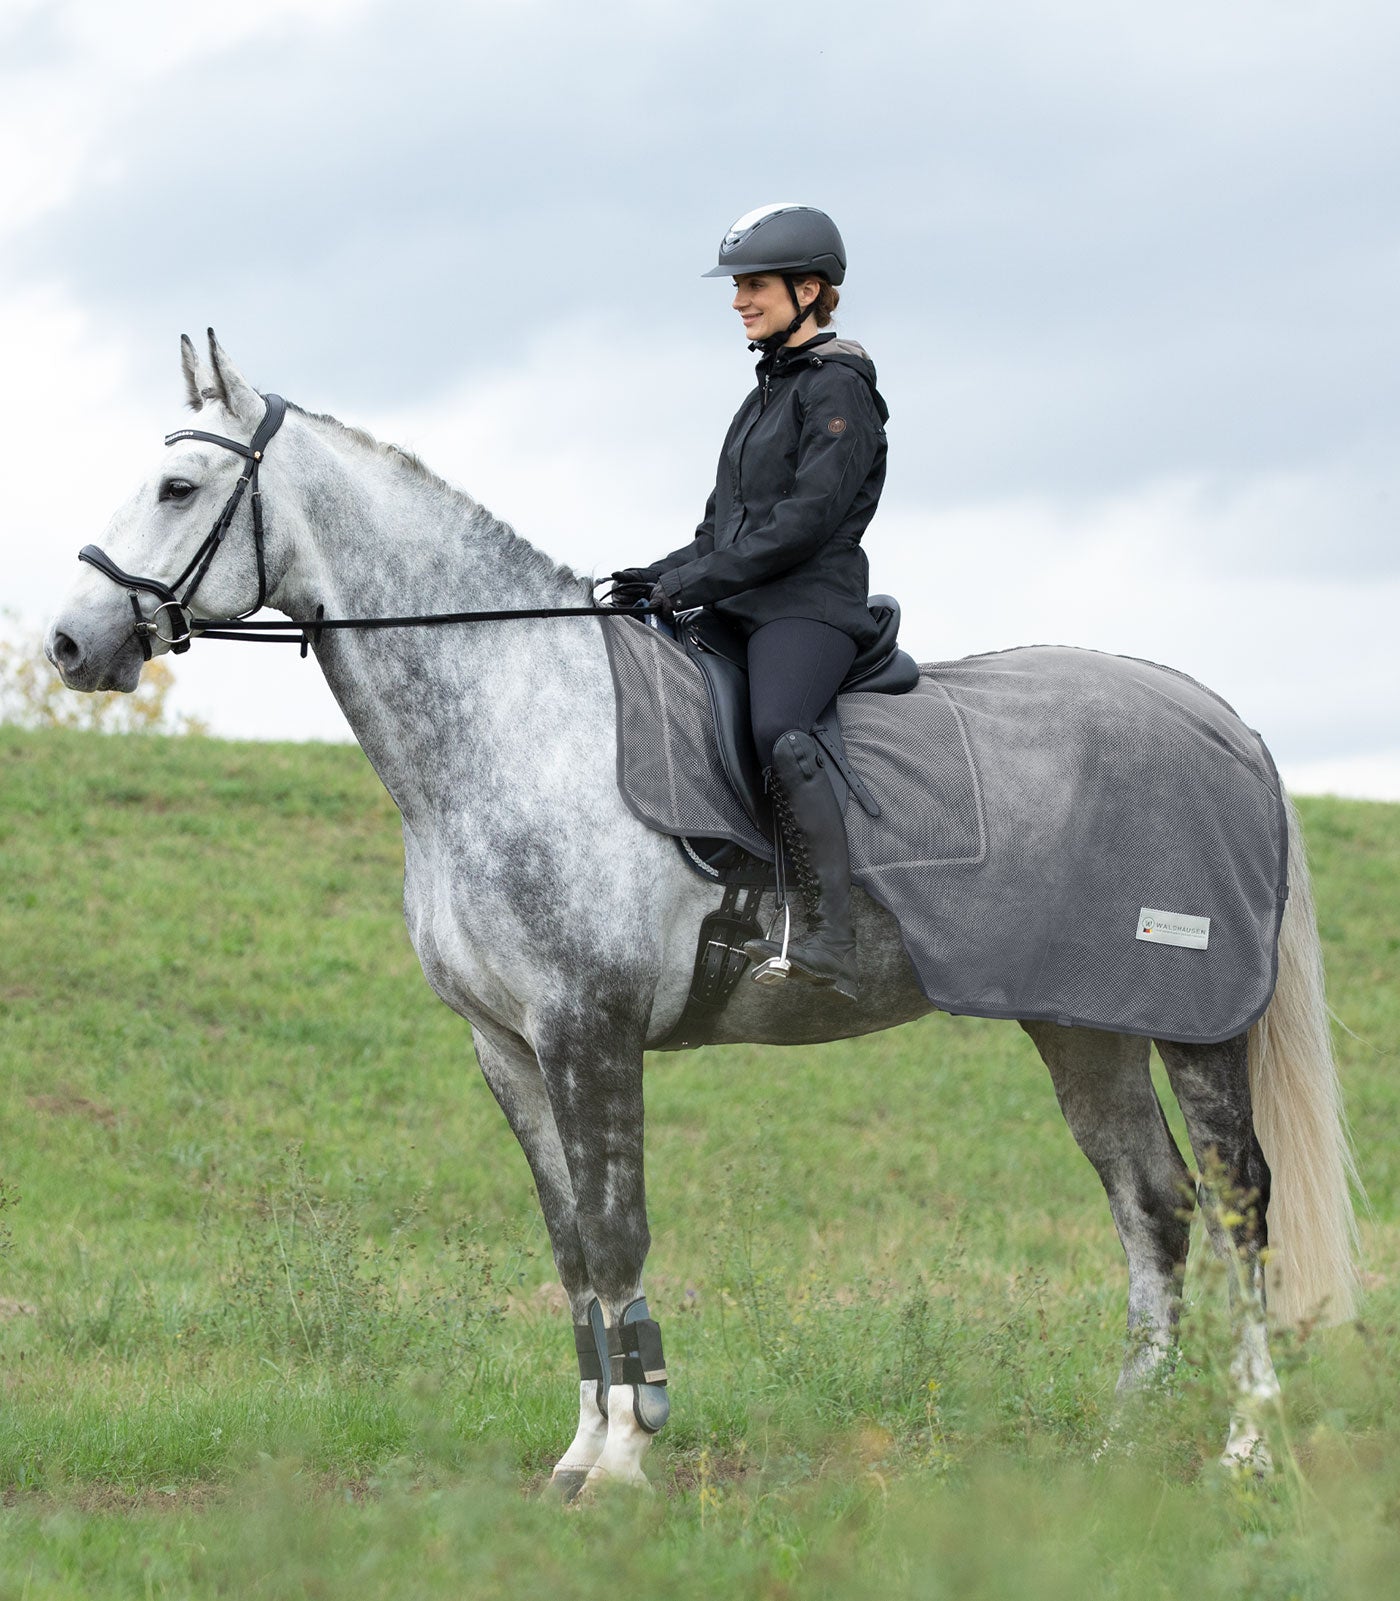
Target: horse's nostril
66 651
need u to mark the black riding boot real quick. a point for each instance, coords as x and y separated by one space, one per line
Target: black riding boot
814 834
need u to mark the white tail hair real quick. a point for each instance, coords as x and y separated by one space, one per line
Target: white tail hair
1298 1117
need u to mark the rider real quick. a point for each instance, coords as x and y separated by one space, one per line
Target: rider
778 553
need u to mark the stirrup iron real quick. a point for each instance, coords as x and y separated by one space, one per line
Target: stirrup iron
777 968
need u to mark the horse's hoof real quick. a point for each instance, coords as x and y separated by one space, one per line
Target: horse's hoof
1247 1457
564 1484
603 1484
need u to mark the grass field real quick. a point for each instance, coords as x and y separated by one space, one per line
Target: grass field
277 1314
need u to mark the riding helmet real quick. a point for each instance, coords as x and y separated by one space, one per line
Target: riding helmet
784 238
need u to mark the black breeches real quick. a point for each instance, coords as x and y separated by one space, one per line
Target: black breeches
795 667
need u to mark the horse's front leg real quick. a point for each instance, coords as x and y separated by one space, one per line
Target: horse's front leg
512 1071
591 1060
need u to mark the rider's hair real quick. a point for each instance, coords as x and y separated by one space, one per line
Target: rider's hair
828 297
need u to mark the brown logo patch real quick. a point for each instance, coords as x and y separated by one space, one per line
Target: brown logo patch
837 425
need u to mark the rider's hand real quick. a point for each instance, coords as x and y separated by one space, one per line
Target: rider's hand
630 587
660 602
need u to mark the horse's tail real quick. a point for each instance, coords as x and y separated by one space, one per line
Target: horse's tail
1301 1127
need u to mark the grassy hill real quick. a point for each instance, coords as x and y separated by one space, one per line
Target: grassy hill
277 1315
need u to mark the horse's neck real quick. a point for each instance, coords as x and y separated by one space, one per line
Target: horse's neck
441 712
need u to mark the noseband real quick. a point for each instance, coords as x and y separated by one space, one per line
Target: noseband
171 601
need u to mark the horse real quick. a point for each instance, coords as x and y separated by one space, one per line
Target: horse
563 929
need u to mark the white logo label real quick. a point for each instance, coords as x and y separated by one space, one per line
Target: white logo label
1173 928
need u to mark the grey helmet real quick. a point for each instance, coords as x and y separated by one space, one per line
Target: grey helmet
784 238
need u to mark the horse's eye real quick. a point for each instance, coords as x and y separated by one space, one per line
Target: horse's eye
176 489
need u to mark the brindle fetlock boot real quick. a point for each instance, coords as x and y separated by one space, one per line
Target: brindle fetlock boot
814 838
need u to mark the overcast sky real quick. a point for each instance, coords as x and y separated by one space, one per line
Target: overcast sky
1129 275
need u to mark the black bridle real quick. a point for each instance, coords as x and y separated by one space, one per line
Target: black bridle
184 625
168 594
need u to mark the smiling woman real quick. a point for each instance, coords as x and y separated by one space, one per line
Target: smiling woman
777 557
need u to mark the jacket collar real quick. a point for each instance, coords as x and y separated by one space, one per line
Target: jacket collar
786 355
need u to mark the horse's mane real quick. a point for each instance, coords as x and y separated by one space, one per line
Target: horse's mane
482 522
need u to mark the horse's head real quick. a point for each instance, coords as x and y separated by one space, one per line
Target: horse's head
158 533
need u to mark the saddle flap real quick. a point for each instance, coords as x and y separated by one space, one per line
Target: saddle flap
727 685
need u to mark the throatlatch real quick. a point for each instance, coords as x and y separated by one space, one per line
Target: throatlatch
628 1353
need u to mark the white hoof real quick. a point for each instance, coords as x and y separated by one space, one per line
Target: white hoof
1247 1451
627 1443
599 1483
588 1444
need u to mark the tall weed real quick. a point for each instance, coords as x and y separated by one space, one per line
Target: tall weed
307 1283
866 1351
9 1199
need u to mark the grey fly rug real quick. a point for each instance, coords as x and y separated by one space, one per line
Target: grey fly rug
1063 834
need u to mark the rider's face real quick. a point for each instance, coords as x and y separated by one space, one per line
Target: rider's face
763 302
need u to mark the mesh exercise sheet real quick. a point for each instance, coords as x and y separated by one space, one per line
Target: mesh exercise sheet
1063 834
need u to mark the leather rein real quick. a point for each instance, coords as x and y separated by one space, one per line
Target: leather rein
177 609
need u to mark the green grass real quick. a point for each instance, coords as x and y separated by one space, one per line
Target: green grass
277 1315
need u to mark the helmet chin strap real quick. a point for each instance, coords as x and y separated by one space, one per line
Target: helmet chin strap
775 342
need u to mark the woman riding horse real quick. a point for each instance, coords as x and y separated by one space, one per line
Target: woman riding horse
778 554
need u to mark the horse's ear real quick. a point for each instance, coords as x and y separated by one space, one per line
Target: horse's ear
242 400
198 385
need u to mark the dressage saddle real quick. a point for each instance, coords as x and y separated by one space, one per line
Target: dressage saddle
720 652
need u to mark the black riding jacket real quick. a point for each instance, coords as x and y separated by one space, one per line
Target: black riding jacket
799 479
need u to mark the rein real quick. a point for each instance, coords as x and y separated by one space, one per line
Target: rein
177 609
307 631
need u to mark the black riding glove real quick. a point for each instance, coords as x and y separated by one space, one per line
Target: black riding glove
660 602
630 587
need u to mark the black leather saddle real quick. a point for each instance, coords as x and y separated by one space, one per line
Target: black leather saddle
721 654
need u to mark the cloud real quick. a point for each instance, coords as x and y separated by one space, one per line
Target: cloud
1127 276
1373 776
1102 245
1306 660
582 442
76 70
72 416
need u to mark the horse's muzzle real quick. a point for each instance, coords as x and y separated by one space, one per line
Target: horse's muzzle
93 664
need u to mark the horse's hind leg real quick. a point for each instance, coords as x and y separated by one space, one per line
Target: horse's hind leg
512 1071
1211 1084
1104 1086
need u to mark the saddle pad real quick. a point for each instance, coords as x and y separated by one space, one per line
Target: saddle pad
1064 834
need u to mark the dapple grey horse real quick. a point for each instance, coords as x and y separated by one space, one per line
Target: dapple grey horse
564 930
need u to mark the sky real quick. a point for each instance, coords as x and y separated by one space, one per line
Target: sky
1128 273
